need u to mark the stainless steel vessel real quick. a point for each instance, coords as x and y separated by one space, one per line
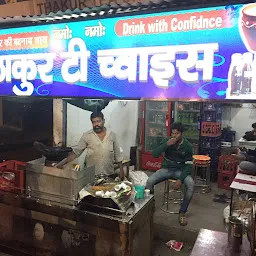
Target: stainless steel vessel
57 185
251 229
235 233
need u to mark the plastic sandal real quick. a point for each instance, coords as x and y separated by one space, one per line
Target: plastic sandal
183 220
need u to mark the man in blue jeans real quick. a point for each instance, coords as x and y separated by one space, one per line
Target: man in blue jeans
177 151
247 158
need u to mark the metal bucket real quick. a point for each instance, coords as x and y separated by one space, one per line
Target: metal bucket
235 233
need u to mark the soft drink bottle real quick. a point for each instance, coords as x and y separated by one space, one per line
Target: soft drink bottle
235 74
181 117
191 119
253 84
247 73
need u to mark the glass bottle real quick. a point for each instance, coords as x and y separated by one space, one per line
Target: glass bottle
235 74
247 73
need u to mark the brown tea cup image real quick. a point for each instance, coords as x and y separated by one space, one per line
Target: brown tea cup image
248 26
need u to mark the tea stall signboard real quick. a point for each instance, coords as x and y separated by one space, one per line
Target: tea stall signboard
193 54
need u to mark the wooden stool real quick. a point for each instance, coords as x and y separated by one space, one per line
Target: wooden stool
126 164
170 200
202 162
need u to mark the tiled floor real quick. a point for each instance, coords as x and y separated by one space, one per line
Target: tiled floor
203 213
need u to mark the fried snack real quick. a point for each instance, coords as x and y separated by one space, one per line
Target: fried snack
103 188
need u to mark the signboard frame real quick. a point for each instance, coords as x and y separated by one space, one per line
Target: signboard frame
124 17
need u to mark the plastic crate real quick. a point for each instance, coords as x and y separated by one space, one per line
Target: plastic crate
209 129
229 136
225 144
18 169
225 179
211 116
227 164
212 107
211 142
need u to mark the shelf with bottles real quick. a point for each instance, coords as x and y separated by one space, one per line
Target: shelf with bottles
157 124
157 132
188 106
152 142
191 111
187 118
156 117
192 138
159 110
155 136
190 124
191 132
157 106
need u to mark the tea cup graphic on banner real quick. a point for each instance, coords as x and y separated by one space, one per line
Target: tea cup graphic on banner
248 26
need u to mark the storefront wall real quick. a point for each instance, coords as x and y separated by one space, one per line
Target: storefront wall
211 86
38 7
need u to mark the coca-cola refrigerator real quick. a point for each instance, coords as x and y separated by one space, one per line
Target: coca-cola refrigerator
156 125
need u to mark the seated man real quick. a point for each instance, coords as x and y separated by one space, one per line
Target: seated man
177 150
248 160
251 135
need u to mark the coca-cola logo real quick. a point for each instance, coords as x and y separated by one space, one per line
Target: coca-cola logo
153 164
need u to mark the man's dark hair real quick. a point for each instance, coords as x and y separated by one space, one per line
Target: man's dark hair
97 114
177 126
254 125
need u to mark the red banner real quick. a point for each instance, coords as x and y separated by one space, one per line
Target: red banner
172 23
24 41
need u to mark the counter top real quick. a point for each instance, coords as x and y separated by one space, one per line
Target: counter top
248 144
251 142
244 182
69 212
214 243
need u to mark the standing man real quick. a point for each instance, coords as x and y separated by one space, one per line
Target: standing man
177 151
102 148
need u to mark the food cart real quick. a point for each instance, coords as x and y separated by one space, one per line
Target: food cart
40 227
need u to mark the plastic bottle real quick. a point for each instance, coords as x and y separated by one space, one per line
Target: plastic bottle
191 119
198 123
181 117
